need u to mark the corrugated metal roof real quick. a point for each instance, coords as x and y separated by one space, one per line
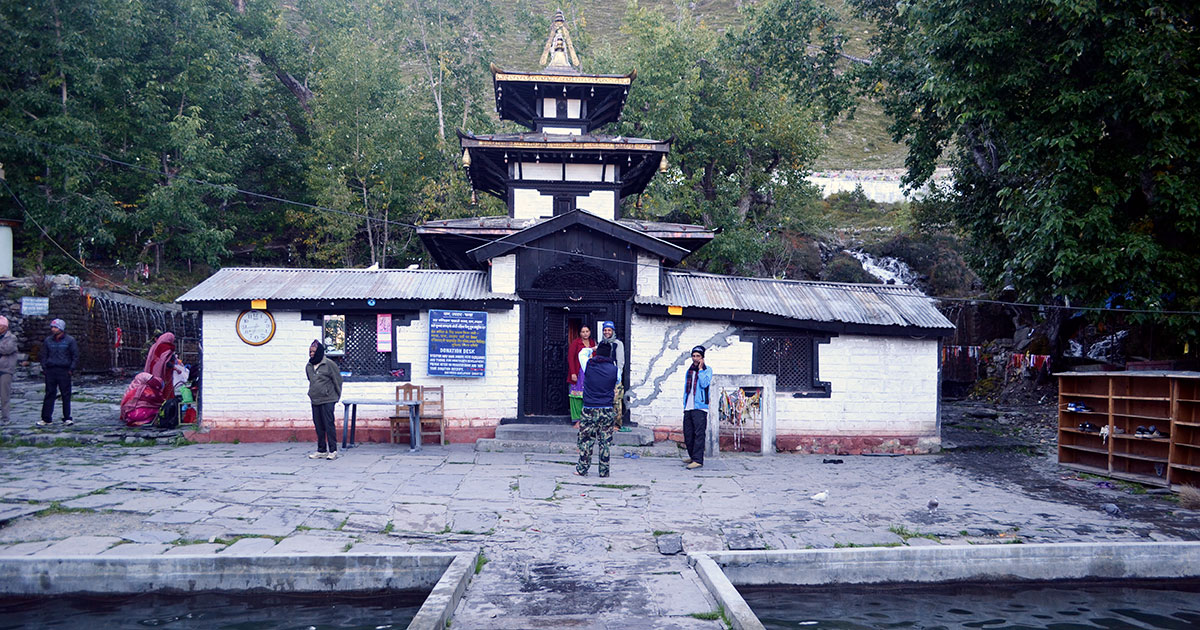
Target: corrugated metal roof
868 304
241 283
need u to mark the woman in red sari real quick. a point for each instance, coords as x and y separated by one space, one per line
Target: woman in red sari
575 373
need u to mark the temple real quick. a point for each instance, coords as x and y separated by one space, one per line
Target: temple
852 367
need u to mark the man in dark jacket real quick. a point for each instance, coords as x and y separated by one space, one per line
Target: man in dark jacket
596 426
324 391
60 357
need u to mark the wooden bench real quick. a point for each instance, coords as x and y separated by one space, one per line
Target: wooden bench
432 409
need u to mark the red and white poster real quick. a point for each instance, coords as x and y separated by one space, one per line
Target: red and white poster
383 333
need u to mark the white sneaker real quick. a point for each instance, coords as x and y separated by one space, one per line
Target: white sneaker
332 455
317 455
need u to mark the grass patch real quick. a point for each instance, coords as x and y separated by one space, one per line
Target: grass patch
342 524
57 508
707 616
906 533
389 528
662 532
348 546
616 486
230 540
138 443
856 545
480 561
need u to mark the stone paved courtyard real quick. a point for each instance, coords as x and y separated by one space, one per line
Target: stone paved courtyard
561 550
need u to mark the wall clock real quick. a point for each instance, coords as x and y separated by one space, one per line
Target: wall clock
255 327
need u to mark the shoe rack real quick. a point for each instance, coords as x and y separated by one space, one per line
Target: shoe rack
1135 426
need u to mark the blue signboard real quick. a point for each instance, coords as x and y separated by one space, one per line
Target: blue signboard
457 343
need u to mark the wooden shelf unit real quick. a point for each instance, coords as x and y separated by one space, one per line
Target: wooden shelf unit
1168 402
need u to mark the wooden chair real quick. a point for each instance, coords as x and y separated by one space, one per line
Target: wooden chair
432 412
399 420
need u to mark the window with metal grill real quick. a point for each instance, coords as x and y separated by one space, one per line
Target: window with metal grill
361 357
793 361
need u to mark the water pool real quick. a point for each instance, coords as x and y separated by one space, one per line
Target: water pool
1151 605
215 611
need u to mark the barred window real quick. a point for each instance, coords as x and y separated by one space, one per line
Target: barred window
793 361
361 357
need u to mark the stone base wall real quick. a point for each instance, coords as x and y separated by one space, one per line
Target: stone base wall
366 432
823 444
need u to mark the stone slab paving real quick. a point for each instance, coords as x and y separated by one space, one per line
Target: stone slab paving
561 550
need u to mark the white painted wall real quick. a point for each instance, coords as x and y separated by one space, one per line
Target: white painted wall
530 204
502 274
881 386
660 352
264 386
587 173
602 203
550 108
649 272
541 171
6 251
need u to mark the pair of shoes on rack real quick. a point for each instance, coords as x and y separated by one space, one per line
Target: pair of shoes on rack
1150 432
1075 406
1088 427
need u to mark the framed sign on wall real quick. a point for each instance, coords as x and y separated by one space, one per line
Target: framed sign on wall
255 327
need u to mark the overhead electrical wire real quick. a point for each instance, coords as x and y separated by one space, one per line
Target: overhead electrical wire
229 188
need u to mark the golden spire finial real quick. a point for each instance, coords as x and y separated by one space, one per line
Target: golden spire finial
560 51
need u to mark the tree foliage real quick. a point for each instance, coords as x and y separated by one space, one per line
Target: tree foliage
213 113
1071 128
740 113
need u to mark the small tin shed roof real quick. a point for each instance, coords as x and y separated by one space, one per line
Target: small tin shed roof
822 302
241 283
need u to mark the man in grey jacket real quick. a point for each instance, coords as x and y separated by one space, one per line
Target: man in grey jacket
324 391
608 331
8 365
60 357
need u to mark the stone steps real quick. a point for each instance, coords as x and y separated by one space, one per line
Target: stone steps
561 439
565 433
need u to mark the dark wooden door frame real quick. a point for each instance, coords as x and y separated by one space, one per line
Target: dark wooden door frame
534 378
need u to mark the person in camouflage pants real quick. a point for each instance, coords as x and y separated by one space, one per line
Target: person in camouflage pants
595 432
596 426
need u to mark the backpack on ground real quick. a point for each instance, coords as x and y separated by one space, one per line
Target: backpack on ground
168 414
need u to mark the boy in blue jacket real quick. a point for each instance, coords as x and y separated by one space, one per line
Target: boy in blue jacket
695 408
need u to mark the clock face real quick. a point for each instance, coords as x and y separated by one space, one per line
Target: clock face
255 327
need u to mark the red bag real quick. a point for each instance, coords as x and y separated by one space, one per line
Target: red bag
142 399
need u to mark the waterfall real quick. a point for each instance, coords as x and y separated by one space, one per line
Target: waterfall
887 269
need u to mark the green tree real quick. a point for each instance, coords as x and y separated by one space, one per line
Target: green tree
743 135
1071 130
163 86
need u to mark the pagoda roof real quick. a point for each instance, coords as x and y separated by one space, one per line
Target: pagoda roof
517 93
451 240
486 156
